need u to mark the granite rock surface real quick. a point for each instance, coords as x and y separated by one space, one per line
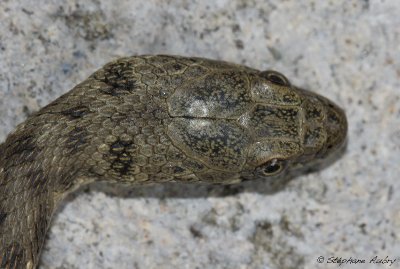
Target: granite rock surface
346 50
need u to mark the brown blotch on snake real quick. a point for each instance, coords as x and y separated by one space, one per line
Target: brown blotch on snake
147 119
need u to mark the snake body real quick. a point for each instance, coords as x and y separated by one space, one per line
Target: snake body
146 119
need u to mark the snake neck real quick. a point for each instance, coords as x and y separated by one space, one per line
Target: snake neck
32 183
24 213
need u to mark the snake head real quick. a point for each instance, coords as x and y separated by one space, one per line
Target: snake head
247 124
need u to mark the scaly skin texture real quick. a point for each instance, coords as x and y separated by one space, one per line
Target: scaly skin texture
147 119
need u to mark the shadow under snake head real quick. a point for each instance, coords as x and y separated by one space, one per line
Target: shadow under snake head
149 119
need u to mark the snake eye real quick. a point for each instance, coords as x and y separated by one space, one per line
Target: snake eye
275 77
272 167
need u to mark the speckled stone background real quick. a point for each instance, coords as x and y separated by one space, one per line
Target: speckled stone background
346 50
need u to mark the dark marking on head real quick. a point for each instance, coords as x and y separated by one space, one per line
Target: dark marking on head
178 169
118 77
178 67
23 146
19 144
76 139
121 157
333 118
76 112
3 216
314 112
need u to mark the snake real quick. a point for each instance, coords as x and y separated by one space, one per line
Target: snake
152 119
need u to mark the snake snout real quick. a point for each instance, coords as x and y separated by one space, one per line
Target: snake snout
336 126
